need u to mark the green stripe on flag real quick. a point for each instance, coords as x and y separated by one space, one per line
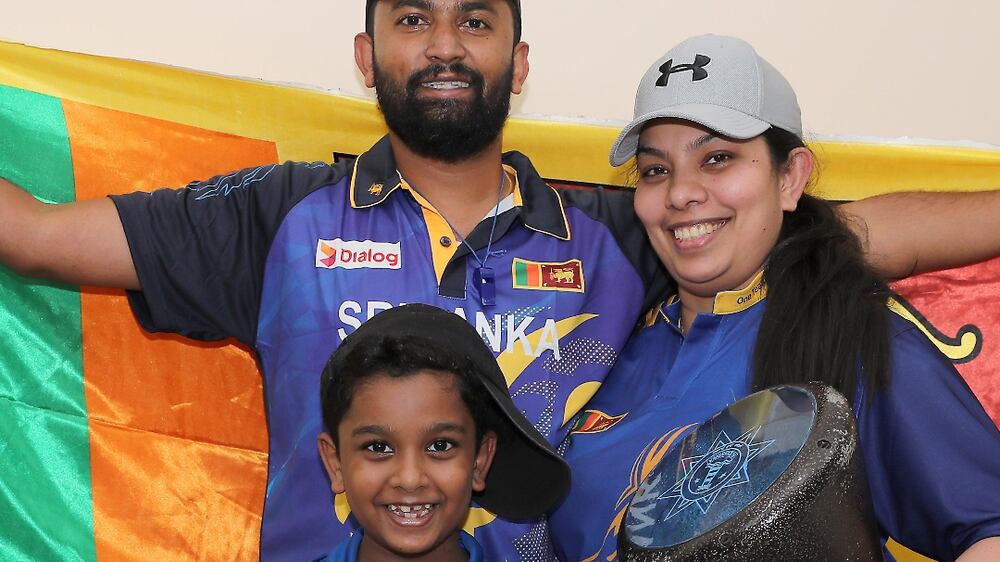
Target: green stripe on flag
45 495
520 273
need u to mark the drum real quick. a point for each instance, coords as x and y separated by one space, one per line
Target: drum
775 476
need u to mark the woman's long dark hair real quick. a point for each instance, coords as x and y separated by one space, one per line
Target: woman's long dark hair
825 314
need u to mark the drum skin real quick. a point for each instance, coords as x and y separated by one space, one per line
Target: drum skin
817 508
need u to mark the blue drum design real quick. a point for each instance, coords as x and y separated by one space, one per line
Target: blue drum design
775 476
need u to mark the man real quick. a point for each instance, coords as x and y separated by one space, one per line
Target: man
290 259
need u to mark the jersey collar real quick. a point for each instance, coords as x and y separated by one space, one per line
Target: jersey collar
726 302
376 177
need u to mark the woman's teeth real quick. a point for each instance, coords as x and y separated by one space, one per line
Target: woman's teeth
411 511
697 230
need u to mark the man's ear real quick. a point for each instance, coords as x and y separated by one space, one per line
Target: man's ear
484 459
794 177
520 63
364 57
331 461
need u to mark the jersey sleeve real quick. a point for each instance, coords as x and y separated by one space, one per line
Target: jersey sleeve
932 454
616 210
199 252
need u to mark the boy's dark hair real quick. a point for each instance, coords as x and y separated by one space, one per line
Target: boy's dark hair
515 8
398 357
825 314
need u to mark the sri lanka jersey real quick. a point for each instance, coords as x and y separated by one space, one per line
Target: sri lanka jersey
347 551
932 455
291 258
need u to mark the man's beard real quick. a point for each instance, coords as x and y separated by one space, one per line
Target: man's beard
449 130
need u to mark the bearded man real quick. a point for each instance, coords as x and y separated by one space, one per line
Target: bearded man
291 258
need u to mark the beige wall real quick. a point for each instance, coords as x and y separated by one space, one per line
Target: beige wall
892 68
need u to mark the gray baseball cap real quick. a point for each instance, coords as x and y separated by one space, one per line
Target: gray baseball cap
718 82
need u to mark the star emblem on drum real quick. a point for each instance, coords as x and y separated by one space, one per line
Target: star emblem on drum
723 466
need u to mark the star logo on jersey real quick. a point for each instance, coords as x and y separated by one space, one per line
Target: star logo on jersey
723 466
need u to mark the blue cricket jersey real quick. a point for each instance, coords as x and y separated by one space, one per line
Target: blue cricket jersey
932 454
291 258
347 551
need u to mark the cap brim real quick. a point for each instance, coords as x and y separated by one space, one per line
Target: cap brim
723 120
527 478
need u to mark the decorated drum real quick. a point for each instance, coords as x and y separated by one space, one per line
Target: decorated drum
775 476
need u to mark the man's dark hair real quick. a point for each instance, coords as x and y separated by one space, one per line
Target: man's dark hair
399 357
515 9
825 314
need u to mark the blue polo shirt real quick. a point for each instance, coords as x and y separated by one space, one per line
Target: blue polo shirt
347 551
291 258
932 455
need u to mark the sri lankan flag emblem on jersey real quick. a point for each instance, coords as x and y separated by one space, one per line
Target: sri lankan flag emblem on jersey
595 421
543 276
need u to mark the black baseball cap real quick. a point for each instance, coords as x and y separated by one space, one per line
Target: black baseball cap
527 478
515 4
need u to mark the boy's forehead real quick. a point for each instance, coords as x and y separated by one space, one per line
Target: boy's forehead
427 397
383 387
444 378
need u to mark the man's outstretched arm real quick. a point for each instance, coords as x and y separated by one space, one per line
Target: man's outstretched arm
82 243
907 233
986 550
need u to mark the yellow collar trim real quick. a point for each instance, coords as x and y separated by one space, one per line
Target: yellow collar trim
731 302
511 181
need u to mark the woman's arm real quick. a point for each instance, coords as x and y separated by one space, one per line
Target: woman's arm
986 550
907 233
931 452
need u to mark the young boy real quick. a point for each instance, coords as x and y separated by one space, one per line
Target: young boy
419 422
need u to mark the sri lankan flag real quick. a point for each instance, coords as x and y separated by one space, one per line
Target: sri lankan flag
595 421
120 445
564 276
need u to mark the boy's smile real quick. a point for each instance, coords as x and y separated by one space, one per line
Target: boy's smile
408 462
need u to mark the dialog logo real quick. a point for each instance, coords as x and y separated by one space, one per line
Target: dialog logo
352 254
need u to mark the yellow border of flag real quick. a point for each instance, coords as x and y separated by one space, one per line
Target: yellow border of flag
310 125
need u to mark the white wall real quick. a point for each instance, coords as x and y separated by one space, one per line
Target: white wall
886 68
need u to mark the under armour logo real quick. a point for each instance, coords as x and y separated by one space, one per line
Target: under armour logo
697 69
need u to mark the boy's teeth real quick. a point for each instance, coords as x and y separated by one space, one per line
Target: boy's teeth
411 511
697 230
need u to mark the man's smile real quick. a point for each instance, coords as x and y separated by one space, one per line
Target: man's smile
446 85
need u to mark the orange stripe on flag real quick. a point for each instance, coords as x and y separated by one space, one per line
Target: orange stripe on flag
534 275
178 438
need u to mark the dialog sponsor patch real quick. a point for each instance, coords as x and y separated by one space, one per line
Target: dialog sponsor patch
352 254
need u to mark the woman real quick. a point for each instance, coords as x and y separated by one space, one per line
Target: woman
721 174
